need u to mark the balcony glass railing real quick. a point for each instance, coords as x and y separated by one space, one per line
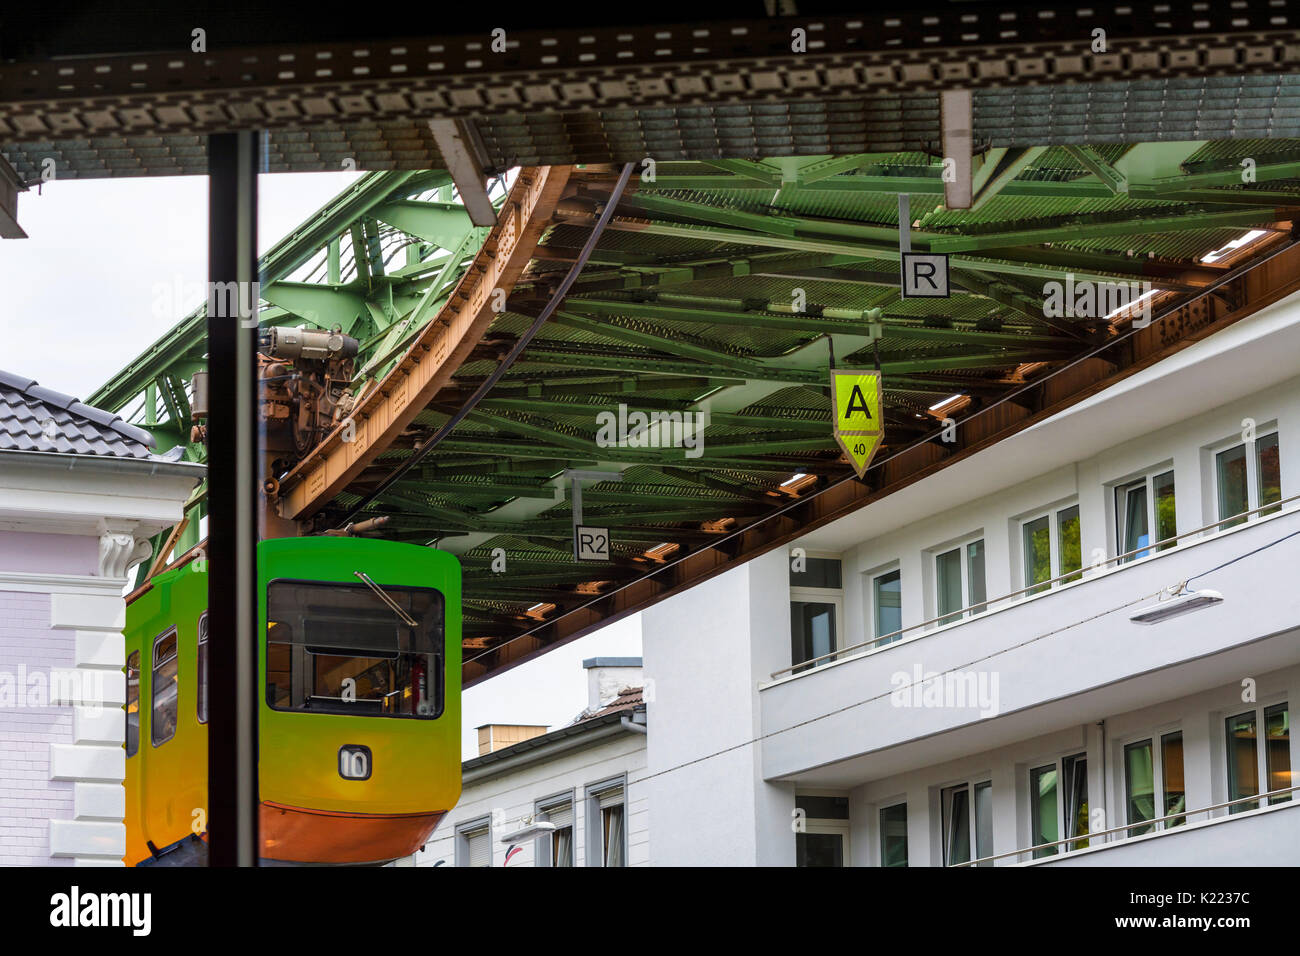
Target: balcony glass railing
1181 816
985 606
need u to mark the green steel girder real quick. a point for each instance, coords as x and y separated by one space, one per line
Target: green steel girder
815 169
682 306
866 251
188 337
1087 227
1110 177
802 322
669 342
494 489
323 306
999 168
665 456
745 420
444 224
772 225
762 173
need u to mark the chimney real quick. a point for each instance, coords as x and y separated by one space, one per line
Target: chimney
606 676
492 737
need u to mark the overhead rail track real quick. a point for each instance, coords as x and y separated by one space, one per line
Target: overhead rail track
711 291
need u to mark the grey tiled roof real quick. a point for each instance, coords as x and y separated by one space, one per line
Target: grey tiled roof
35 418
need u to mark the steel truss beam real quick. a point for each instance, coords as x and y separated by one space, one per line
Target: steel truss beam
1258 287
643 66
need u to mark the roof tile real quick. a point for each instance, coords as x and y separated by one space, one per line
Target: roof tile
35 418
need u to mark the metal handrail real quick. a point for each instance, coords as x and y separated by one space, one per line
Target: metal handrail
1039 586
1256 798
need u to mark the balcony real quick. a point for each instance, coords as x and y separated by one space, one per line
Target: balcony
1032 664
1268 836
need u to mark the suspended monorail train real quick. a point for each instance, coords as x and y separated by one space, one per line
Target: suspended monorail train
358 708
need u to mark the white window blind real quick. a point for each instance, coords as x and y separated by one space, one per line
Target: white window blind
480 848
561 815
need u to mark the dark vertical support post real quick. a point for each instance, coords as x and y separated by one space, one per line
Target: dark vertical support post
232 495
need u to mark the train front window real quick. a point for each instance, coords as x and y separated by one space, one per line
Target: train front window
342 648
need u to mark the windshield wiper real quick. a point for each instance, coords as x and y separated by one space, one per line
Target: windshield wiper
387 599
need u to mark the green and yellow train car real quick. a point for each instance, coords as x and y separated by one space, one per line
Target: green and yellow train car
359 707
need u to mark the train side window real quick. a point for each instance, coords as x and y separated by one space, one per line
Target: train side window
202 695
162 723
133 703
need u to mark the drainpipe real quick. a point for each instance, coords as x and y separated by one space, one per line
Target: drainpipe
630 723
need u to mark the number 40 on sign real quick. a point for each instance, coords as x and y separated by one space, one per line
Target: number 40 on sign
859 421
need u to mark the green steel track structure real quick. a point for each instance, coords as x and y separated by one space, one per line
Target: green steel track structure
719 286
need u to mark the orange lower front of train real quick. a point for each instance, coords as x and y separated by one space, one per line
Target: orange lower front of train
294 834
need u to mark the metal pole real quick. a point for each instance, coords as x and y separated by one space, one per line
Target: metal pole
904 222
575 491
232 493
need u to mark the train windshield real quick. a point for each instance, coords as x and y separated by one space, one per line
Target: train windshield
354 649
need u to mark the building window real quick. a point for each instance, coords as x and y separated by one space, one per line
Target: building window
1248 751
967 823
1153 782
816 573
474 843
607 823
959 581
1058 804
815 611
812 633
1052 548
133 703
1143 508
202 669
556 847
822 838
893 835
887 606
162 722
1249 476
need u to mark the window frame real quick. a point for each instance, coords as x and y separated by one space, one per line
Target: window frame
1146 480
464 831
126 707
1253 489
970 785
827 825
1260 710
881 809
814 595
594 795
820 827
302 658
962 546
1053 515
201 665
1156 737
1062 828
869 601
154 664
543 846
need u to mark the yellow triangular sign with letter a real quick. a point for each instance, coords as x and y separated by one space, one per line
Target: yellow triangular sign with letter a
859 417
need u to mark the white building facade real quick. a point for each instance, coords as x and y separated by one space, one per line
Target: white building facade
584 782
80 497
951 675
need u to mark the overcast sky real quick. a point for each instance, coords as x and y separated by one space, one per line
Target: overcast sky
112 264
